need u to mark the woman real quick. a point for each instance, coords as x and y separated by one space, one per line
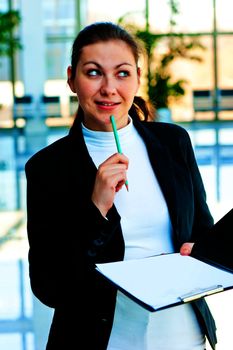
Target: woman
80 213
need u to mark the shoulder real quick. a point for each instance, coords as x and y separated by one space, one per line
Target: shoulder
168 133
167 136
49 155
166 129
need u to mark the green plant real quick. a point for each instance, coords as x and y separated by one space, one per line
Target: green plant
162 87
9 21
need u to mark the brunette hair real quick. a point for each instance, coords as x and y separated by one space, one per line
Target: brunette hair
106 31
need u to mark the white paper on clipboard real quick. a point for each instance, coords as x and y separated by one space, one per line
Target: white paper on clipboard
167 280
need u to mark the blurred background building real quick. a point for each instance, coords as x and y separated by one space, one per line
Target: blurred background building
37 107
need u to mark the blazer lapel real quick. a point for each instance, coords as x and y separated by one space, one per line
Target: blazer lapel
81 158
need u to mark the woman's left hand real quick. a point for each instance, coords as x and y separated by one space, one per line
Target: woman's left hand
186 248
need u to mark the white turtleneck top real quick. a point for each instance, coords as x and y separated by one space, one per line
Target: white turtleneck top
147 231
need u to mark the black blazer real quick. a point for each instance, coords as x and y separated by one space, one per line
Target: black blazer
68 235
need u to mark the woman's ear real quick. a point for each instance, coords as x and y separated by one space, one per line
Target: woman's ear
70 80
139 77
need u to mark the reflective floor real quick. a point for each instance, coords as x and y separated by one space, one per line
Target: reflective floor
24 321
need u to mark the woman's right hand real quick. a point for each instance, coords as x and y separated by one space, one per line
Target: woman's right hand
110 178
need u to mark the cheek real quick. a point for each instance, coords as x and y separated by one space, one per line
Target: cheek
85 90
130 89
129 92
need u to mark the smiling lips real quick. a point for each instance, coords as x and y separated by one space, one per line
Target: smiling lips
107 104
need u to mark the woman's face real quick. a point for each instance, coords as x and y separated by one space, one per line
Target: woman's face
106 81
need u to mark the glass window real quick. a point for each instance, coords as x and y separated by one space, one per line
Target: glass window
59 16
11 341
30 341
58 9
4 68
10 297
3 5
199 76
103 10
195 16
224 15
225 76
57 59
189 19
225 56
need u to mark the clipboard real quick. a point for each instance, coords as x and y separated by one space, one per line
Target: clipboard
167 280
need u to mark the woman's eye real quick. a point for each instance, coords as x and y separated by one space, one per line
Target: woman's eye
93 72
123 73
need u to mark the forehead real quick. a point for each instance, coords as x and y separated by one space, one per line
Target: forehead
112 50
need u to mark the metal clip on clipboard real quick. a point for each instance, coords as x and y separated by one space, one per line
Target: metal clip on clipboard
200 292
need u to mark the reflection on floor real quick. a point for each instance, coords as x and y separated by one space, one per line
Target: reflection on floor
24 321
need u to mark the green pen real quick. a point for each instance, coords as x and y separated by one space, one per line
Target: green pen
114 127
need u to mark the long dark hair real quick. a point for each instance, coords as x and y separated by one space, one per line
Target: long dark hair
106 31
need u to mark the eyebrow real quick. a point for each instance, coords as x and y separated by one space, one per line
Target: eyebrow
99 65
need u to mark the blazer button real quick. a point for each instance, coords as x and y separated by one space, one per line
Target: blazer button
91 252
98 242
104 320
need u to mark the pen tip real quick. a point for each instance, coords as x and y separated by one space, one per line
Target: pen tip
127 187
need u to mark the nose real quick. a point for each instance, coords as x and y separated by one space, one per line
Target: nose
108 86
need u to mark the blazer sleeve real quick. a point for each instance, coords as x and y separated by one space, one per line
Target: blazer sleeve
66 232
190 211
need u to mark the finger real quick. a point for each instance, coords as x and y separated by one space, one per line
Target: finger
107 170
116 179
110 177
119 186
186 248
115 159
